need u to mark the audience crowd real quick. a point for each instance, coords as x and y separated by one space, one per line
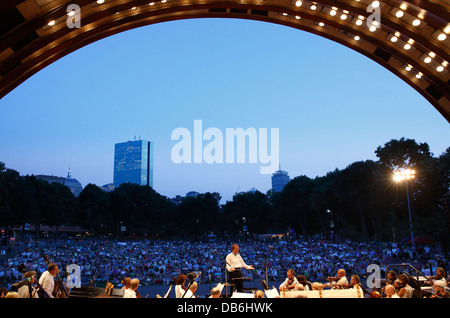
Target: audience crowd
159 262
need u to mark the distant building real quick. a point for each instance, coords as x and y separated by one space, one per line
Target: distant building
192 194
108 187
133 163
73 184
176 200
252 190
279 179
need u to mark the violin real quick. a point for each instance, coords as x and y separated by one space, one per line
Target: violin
289 284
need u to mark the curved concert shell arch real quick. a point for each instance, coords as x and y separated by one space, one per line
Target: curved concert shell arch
409 38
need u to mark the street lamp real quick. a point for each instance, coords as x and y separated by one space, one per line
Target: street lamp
407 175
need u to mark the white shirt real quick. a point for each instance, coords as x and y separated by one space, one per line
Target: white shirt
129 293
24 292
179 291
189 294
343 280
47 281
409 292
302 287
285 283
235 261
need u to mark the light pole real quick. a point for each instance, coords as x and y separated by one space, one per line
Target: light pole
407 175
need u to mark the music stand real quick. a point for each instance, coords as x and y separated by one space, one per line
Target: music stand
265 263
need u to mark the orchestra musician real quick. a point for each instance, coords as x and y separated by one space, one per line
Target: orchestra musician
180 288
191 291
234 263
439 290
440 276
28 290
354 280
47 279
401 284
290 282
340 279
126 283
132 291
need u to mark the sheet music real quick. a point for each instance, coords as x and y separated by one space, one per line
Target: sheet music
272 293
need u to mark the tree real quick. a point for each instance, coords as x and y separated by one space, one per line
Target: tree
94 208
250 210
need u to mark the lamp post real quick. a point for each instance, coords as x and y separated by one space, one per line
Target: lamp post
407 175
330 218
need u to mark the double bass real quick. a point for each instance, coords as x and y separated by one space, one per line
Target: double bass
61 290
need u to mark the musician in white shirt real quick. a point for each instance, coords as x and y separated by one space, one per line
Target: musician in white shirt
131 292
28 291
47 279
334 282
190 293
290 282
234 264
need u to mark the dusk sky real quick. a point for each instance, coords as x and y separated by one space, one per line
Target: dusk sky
332 106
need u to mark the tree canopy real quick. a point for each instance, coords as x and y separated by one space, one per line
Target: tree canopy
360 202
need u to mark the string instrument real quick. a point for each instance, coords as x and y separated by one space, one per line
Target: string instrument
289 284
41 291
61 290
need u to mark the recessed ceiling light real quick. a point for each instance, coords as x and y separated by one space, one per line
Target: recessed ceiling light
427 59
313 7
440 68
298 3
357 38
333 13
100 1
394 39
399 14
416 22
407 46
51 23
375 4
442 37
343 17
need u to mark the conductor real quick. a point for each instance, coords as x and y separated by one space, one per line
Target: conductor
234 264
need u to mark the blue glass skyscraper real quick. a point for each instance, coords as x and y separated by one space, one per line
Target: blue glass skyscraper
133 163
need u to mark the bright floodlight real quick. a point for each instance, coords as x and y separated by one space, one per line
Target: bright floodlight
406 174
